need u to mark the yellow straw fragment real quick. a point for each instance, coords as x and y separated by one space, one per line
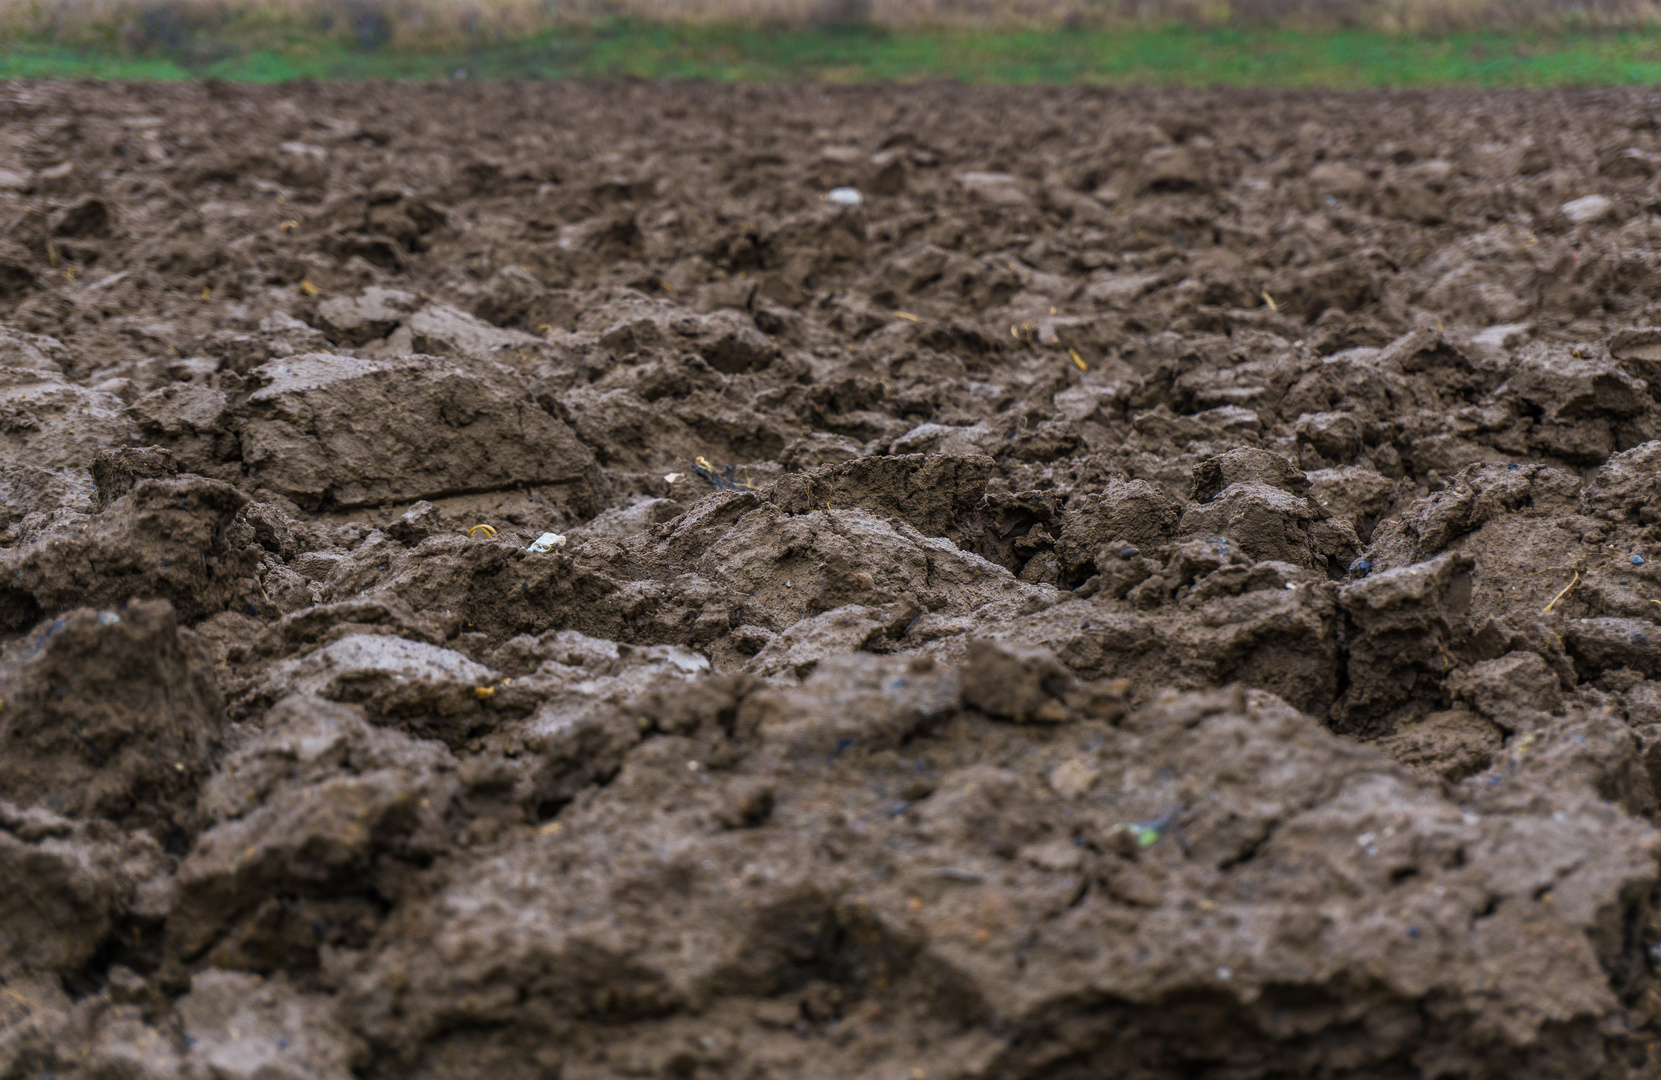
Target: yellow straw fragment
488 531
1561 595
1078 361
1270 301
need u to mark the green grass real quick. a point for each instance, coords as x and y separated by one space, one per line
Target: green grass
1343 59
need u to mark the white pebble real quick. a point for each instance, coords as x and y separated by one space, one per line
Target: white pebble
1587 208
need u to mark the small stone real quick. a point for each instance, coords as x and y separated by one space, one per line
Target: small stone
1587 208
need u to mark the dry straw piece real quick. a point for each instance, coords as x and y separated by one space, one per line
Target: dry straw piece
1566 589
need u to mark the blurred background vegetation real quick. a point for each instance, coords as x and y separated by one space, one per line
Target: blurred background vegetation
1246 42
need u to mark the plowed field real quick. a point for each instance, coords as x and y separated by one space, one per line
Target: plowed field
589 581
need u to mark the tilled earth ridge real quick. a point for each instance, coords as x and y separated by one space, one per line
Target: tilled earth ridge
1160 587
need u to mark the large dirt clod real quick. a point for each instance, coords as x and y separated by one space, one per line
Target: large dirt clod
328 430
109 713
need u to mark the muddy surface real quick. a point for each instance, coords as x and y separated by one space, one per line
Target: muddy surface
526 582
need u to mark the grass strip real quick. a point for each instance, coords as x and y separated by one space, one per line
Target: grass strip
1351 59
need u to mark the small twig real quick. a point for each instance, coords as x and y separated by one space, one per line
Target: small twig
1561 595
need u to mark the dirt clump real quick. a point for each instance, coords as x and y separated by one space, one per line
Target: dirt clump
109 714
320 424
514 579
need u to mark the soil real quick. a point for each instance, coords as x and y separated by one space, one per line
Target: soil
521 581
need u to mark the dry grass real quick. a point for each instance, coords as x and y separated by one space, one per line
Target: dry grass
139 25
